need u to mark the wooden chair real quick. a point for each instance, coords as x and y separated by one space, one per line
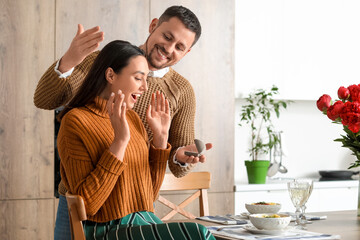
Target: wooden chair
77 214
199 181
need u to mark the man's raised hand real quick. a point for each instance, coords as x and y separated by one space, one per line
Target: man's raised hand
84 43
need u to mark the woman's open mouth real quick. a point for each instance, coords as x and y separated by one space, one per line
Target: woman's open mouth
135 96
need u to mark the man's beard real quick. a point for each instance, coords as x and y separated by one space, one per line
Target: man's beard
152 63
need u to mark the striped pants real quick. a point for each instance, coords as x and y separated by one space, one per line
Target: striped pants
144 225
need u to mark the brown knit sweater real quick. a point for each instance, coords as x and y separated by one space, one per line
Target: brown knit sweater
53 92
111 188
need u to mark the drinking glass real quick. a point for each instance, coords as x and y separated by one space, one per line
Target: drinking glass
300 191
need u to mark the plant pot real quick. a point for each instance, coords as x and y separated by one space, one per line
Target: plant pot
257 170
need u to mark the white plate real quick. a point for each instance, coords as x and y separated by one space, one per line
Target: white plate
254 230
245 215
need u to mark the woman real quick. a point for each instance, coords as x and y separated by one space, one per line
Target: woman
105 156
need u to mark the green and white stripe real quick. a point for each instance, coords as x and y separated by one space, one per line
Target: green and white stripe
144 225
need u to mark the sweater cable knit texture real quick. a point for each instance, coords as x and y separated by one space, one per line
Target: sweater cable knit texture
111 188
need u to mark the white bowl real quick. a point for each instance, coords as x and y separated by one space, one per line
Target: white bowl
259 208
263 221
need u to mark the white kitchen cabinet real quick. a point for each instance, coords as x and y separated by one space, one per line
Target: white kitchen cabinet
326 196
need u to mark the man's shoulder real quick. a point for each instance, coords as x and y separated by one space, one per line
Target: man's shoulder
176 78
175 75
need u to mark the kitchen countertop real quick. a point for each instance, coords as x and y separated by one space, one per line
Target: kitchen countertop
281 184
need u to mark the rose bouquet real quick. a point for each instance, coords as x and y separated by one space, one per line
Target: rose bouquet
345 111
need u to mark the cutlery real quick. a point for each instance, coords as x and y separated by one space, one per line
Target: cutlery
282 168
229 227
274 165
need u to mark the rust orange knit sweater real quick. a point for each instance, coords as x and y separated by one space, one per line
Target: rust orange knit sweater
111 189
52 92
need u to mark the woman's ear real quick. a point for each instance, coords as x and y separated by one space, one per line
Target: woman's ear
109 75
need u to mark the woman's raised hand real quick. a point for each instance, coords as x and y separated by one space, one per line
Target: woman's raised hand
117 111
158 118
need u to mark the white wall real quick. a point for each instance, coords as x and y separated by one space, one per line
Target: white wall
307 141
307 48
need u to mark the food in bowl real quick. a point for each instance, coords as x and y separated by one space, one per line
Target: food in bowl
270 221
263 207
273 216
264 203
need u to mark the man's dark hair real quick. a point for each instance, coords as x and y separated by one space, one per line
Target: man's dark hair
186 16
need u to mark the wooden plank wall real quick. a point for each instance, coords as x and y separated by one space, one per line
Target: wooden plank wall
26 133
34 33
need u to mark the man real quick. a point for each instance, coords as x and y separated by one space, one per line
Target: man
171 38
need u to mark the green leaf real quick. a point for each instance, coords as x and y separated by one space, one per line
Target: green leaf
258 111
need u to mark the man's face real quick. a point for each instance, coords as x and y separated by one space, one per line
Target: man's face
168 43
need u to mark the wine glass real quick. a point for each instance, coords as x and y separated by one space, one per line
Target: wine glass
300 191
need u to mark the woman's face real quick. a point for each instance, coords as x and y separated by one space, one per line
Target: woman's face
131 80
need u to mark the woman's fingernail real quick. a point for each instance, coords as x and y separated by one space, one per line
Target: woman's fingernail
112 94
119 92
122 95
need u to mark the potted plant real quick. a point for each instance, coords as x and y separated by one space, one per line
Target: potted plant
258 111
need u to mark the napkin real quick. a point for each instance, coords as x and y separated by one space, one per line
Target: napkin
321 236
222 220
240 232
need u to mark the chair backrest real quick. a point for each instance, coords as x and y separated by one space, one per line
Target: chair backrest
199 181
77 214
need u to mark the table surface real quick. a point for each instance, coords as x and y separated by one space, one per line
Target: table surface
343 223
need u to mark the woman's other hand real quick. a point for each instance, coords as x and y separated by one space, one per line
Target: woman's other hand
158 118
117 112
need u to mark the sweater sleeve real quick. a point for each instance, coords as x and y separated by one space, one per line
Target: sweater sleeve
157 160
53 92
182 131
94 182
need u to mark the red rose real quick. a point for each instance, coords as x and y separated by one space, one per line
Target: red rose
334 110
354 93
352 120
324 102
350 116
343 93
354 127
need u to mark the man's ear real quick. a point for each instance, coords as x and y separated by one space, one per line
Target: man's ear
187 52
153 25
109 75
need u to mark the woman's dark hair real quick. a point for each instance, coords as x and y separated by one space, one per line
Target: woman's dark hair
186 16
116 55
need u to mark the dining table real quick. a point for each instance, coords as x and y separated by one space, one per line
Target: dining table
343 223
